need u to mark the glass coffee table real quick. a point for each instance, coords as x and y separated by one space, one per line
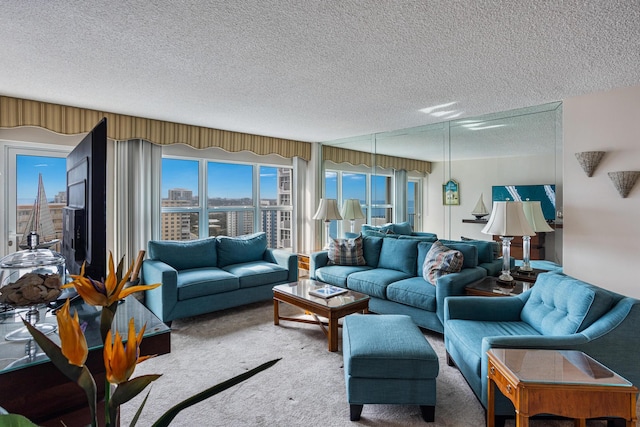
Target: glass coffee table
332 309
568 383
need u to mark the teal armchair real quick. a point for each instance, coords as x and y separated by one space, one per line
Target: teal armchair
559 312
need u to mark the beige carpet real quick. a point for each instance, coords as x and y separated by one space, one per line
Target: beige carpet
306 388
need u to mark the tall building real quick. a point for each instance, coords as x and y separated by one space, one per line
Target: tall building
179 225
284 199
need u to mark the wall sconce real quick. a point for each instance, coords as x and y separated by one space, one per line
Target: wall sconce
589 160
624 181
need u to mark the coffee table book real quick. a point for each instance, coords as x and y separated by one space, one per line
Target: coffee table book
328 291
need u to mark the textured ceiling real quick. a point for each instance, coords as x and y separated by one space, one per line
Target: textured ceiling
314 70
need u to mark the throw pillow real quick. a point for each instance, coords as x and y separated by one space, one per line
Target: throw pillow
441 260
402 228
346 252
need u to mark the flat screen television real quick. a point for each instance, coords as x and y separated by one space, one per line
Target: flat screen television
84 236
544 193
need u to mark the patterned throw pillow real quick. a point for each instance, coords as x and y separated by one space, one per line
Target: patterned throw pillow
441 260
346 252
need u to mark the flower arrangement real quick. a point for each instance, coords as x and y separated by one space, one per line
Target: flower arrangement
120 359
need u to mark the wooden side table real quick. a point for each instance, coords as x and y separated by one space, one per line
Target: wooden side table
560 382
526 276
303 266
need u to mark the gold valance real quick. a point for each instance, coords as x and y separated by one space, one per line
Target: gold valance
353 157
66 120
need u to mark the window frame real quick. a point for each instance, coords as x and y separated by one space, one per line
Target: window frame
204 210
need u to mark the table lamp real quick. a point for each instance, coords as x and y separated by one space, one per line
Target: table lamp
507 220
327 211
352 210
535 218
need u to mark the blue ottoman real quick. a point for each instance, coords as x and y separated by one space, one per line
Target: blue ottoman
387 360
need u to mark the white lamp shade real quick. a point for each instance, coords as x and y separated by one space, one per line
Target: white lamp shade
507 219
328 210
535 217
351 209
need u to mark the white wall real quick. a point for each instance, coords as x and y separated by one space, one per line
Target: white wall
601 229
479 176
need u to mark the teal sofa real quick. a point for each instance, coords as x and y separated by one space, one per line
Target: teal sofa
393 279
559 312
215 273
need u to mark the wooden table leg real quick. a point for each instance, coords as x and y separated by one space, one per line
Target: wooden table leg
333 333
276 312
580 422
491 416
522 420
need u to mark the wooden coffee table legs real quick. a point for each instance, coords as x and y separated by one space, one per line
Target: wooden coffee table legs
333 315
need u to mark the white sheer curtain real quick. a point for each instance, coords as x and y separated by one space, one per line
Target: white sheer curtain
400 211
137 197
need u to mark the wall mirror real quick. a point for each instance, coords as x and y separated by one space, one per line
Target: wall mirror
518 147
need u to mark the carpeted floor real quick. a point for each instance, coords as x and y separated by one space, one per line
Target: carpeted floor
305 388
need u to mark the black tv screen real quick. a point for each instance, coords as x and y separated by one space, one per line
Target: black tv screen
544 193
84 238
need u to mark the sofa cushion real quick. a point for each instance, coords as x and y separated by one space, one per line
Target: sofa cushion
414 292
418 237
184 255
399 255
470 252
337 274
371 249
441 260
384 229
236 250
561 305
402 228
257 273
487 250
468 335
374 282
346 252
198 282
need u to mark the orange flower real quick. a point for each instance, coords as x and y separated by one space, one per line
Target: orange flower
108 292
120 360
73 342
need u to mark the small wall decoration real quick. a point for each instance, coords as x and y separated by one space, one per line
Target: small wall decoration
451 193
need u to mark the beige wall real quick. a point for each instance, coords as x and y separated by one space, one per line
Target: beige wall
601 229
479 176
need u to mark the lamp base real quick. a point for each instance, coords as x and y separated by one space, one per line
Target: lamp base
505 277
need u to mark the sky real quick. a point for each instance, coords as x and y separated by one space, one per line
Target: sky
54 177
225 180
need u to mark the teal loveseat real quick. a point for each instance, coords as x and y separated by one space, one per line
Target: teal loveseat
205 275
559 312
393 278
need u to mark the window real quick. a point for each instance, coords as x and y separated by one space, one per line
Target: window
414 203
240 199
373 191
180 196
31 171
382 200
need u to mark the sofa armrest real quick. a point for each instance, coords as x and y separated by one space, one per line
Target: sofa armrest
162 299
285 259
453 284
317 260
490 309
